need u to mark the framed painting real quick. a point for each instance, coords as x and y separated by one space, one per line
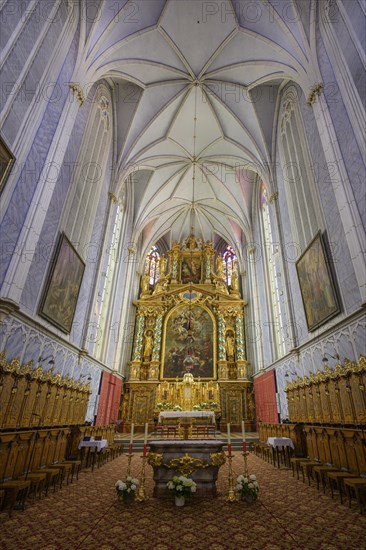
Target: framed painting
316 284
62 286
189 343
7 160
191 270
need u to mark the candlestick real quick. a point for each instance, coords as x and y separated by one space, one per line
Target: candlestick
129 458
231 493
228 434
245 455
146 431
131 439
243 429
141 493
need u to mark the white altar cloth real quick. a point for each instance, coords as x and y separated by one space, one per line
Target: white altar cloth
187 414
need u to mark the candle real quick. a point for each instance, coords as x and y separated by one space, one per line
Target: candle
243 433
145 438
131 440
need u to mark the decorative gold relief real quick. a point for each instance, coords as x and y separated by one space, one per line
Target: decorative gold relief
186 465
155 459
218 459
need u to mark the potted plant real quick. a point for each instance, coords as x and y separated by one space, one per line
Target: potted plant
182 487
126 489
247 487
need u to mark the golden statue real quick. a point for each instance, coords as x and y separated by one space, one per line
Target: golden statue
145 285
230 346
149 344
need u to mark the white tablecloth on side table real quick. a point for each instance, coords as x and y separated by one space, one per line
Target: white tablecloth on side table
280 442
101 444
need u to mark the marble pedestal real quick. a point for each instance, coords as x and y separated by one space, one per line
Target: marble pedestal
201 450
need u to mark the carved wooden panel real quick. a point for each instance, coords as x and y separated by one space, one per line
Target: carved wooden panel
345 397
358 396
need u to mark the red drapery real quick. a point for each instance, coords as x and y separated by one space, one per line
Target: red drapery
265 398
109 399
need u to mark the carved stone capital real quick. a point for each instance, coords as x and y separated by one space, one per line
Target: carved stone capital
315 91
78 92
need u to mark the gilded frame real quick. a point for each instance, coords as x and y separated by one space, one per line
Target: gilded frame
183 304
61 292
317 287
188 260
7 160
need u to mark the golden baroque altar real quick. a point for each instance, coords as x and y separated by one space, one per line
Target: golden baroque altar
189 344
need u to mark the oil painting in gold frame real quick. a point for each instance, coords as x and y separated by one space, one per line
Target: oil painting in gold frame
62 288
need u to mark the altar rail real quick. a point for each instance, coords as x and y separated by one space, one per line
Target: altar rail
32 398
341 447
330 396
32 449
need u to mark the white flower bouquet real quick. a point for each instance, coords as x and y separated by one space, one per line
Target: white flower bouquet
196 407
127 487
177 408
247 486
182 486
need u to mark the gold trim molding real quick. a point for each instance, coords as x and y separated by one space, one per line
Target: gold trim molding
186 465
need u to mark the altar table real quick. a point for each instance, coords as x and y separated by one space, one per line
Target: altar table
205 457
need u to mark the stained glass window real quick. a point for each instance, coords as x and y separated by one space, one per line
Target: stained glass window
229 258
152 265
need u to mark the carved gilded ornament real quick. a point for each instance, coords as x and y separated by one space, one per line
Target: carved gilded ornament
78 92
186 465
328 374
155 459
314 93
218 459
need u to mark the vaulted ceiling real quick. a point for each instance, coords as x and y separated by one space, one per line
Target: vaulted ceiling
196 88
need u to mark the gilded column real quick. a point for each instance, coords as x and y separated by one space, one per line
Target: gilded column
240 347
157 338
222 349
137 352
155 358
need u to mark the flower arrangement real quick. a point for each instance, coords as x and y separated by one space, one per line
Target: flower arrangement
204 406
167 406
177 408
127 487
159 405
247 486
182 486
214 405
196 407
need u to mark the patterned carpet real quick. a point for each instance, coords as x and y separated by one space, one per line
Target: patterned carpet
87 515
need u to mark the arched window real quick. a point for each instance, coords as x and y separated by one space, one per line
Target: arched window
152 265
270 250
230 265
301 193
